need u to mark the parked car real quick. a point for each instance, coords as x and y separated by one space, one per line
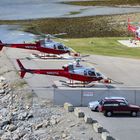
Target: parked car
94 104
110 107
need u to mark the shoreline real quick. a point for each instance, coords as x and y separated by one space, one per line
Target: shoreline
79 27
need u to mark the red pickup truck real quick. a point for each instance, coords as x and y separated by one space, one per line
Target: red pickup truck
110 107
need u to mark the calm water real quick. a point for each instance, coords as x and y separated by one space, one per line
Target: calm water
30 9
10 34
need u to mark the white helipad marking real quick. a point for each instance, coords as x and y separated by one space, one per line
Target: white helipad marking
128 43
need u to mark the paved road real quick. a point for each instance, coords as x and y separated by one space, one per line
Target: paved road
30 9
121 127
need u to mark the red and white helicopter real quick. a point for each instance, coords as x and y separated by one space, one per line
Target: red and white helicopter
72 71
45 45
134 29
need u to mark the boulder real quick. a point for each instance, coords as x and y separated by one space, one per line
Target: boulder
2 91
2 79
4 122
64 135
22 116
30 115
6 136
1 132
12 127
38 126
54 120
15 137
106 136
46 123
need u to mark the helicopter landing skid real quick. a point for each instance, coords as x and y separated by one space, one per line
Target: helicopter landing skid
51 56
75 84
46 56
96 84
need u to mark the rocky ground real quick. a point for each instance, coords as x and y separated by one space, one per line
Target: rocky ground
25 116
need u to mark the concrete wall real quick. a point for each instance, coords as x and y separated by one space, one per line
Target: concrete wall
81 97
72 96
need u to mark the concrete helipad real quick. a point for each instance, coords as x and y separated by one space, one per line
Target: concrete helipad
129 43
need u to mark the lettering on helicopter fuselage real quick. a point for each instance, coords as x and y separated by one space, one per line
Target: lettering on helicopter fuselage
30 47
8 45
52 73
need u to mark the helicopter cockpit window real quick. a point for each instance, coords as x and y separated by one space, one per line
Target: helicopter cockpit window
42 42
85 72
60 47
91 73
98 74
54 46
70 67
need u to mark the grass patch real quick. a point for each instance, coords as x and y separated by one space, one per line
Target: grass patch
74 12
105 3
103 46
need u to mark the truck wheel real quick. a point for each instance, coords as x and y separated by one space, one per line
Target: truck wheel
133 113
108 113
